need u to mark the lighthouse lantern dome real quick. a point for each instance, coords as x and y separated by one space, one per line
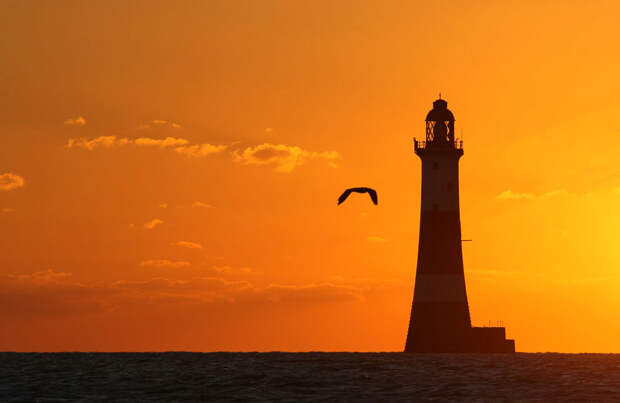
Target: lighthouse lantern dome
440 124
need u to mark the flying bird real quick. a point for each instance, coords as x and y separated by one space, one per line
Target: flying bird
371 192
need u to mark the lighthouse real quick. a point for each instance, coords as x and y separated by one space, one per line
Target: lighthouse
440 320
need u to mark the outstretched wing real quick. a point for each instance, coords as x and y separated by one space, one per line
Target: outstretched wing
373 196
371 192
344 196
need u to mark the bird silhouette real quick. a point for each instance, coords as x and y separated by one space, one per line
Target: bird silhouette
371 192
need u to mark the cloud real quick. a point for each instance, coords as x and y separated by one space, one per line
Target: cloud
510 195
554 193
180 145
369 285
315 293
79 121
159 123
194 285
200 150
164 263
101 141
10 181
189 245
49 294
216 289
163 143
113 141
7 210
234 271
163 205
377 239
153 223
198 204
41 276
281 157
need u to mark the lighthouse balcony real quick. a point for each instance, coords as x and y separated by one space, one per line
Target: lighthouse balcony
433 145
422 144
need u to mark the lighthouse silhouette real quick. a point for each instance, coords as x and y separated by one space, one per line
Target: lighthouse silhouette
440 321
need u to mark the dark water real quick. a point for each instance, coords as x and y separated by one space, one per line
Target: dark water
308 377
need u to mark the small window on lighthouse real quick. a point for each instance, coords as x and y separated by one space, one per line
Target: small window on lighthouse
435 165
449 187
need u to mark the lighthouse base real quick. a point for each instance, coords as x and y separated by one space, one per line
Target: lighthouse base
474 340
490 340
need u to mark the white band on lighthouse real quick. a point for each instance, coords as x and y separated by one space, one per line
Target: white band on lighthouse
440 181
440 288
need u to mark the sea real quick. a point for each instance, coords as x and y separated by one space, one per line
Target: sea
308 377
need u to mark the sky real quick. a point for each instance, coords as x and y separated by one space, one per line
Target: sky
169 171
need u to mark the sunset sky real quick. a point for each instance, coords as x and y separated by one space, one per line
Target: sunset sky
169 171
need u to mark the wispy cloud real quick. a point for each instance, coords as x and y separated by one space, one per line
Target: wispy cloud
164 263
187 244
377 239
153 223
226 270
554 193
200 150
78 121
313 293
113 141
97 142
180 145
41 276
159 123
7 210
50 293
163 205
198 204
282 158
163 143
510 195
10 181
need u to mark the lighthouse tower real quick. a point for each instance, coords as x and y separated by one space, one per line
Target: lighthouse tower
440 319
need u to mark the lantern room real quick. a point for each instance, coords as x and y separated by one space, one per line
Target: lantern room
439 124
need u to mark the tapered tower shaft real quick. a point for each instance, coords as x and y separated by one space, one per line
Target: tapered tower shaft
440 314
440 320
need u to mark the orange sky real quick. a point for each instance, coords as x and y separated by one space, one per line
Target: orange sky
169 171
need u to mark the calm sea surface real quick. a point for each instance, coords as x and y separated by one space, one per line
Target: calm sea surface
384 377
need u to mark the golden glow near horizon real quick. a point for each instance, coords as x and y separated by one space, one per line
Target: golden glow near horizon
169 171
